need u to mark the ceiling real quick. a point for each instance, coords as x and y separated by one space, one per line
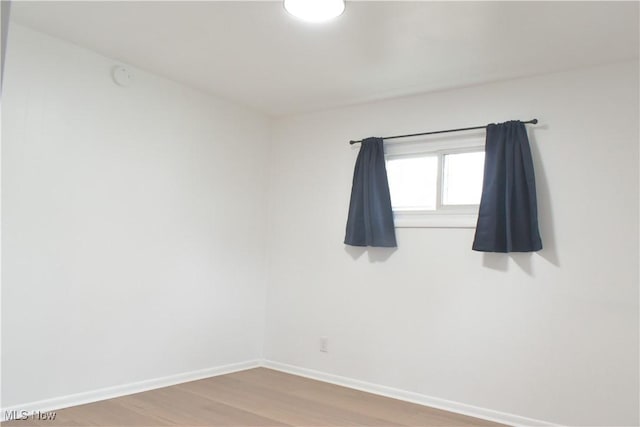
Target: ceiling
255 54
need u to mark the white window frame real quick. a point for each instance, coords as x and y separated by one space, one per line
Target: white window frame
445 216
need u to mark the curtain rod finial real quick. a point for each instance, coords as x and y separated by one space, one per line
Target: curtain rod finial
534 121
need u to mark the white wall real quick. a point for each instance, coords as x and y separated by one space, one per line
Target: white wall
133 225
552 336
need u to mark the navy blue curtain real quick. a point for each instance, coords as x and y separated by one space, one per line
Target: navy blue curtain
508 216
370 221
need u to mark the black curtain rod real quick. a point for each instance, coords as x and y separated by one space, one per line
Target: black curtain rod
532 121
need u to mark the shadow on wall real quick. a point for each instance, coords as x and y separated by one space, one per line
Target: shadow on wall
375 254
545 215
500 261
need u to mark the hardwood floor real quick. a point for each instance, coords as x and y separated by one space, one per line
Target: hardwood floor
256 397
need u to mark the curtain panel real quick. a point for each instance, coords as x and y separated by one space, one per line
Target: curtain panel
508 214
370 220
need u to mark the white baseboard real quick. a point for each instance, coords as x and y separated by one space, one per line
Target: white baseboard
137 387
126 389
421 399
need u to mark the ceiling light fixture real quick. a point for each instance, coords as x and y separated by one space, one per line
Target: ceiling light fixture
314 10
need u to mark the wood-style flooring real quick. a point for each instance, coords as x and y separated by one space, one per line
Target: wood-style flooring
256 397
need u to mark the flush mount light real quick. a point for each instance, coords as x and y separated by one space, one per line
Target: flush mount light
314 10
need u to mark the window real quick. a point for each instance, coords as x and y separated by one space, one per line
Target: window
435 184
462 178
413 182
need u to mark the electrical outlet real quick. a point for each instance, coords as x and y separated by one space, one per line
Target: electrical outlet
324 344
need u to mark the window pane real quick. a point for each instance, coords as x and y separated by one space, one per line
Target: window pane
413 182
462 180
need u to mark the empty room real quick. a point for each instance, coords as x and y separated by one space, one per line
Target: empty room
320 213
